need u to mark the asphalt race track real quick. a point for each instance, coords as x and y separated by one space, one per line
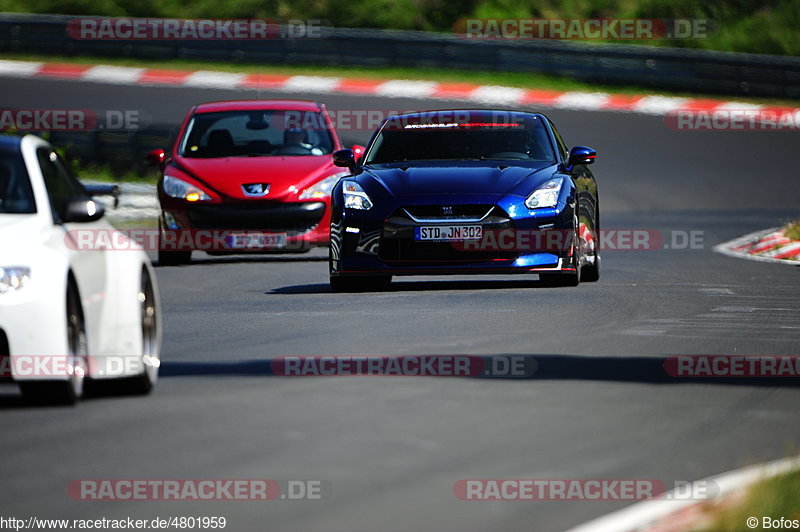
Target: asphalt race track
392 447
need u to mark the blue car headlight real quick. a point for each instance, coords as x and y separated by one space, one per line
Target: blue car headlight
546 195
355 197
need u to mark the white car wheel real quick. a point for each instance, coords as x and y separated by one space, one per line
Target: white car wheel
70 390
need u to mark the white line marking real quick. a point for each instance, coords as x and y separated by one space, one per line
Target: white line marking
19 68
717 291
659 105
113 74
311 84
404 88
737 106
582 100
495 94
219 80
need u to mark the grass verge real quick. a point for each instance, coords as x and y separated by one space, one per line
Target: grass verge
105 174
774 498
792 230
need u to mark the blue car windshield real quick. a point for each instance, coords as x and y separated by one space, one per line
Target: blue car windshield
456 135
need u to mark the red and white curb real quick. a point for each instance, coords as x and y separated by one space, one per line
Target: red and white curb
669 514
769 245
398 88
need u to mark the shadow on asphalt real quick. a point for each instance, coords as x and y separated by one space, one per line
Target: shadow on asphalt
11 398
643 370
646 370
238 259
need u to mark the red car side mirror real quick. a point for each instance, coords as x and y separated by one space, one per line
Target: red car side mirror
156 157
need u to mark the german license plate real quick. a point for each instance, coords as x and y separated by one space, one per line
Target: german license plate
257 240
448 233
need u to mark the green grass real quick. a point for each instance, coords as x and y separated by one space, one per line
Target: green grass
775 497
792 230
105 174
509 79
765 26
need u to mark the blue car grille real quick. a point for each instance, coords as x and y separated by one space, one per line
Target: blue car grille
455 213
398 244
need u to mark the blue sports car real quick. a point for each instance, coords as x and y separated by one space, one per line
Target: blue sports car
462 192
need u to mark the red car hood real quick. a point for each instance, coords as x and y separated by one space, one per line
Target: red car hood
287 176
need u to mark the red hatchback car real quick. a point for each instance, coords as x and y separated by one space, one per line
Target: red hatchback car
259 172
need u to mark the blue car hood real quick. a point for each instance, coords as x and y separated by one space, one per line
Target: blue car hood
485 179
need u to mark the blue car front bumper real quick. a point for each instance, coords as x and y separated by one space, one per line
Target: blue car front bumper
514 240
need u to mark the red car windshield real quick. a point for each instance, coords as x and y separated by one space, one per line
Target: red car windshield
259 133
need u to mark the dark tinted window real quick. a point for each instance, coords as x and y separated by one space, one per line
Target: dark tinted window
456 135
16 194
61 186
256 134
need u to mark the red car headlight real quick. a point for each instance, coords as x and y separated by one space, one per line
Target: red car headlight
178 188
322 189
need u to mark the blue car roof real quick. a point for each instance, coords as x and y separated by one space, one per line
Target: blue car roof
10 143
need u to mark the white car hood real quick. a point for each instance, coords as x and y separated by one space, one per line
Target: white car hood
20 234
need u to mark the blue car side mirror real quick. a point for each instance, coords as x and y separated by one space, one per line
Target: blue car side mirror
581 155
345 158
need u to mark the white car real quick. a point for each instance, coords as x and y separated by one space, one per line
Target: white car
79 302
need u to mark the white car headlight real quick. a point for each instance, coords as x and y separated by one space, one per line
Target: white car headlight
546 195
355 197
13 278
178 188
323 188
